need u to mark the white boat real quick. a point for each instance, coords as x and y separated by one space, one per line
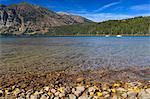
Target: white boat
119 36
107 35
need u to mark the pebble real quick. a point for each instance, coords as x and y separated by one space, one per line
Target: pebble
131 94
56 97
91 93
21 97
80 88
28 95
107 96
77 93
72 96
46 88
91 89
67 89
115 97
80 79
148 90
53 91
61 95
143 94
33 97
107 91
73 90
121 90
52 96
124 95
1 93
83 97
95 97
16 91
57 93
44 96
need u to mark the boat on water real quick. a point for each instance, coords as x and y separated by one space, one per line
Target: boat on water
107 35
119 36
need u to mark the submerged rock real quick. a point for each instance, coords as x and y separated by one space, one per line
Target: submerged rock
53 91
80 88
72 96
44 96
91 89
1 93
76 91
80 79
143 95
124 95
83 97
132 95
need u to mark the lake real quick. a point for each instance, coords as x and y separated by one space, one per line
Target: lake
19 54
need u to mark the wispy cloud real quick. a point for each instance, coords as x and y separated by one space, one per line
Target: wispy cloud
98 17
141 7
81 11
107 6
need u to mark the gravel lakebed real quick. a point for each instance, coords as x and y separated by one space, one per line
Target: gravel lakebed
127 83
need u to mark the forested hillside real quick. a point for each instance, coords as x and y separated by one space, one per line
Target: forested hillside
132 26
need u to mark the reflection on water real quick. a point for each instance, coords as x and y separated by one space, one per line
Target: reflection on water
53 53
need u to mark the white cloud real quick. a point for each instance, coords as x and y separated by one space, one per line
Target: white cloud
78 11
141 7
98 17
107 6
105 16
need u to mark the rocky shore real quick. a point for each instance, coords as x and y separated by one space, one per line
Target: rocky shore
81 90
100 84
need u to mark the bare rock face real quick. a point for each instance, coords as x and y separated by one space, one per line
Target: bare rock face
26 18
9 20
73 18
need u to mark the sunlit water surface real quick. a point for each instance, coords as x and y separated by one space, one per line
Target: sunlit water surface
56 53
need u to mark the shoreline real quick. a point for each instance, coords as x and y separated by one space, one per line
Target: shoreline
69 76
28 35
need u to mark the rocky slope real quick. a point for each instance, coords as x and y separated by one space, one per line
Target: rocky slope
26 18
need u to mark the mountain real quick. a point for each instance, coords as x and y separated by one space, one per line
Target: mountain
24 18
29 19
78 19
132 26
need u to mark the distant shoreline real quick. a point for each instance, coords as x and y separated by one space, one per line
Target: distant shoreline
147 35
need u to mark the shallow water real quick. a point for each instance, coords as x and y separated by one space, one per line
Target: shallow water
19 54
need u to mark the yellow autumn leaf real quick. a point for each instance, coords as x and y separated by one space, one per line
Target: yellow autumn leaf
49 93
96 87
36 93
6 90
91 93
136 89
17 90
116 85
113 90
60 89
99 94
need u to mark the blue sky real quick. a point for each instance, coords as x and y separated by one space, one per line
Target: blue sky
96 10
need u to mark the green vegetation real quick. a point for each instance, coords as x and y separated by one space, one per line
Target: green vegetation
1 5
132 26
